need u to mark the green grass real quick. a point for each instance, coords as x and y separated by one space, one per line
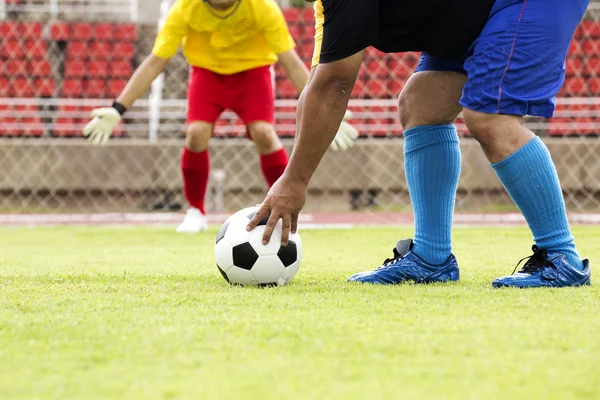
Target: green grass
142 313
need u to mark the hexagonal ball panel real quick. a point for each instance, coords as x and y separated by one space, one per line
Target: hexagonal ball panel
244 256
262 221
267 270
289 254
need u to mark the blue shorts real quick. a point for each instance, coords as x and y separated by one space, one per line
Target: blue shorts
517 64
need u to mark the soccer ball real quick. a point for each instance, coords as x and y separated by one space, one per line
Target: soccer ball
242 259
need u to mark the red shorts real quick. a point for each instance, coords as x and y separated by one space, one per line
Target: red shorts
249 94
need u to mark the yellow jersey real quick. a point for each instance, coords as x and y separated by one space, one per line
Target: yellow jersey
319 21
248 35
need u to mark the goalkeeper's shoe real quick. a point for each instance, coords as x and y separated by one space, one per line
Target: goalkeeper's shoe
546 269
407 266
194 222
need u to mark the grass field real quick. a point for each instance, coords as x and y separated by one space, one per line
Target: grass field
142 313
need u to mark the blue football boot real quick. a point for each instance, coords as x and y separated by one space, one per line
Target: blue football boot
544 269
407 266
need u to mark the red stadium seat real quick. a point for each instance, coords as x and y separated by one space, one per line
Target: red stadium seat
64 126
36 48
81 31
575 49
13 67
308 15
75 68
591 66
21 87
95 88
103 32
4 87
590 29
8 125
78 49
45 87
115 87
121 69
60 31
575 87
291 14
99 68
31 30
574 66
101 50
9 29
11 48
39 68
286 89
72 88
125 32
591 46
358 92
124 50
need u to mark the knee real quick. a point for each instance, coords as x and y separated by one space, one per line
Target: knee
264 137
197 136
483 127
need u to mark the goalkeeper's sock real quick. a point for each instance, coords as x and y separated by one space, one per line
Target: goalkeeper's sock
432 165
530 178
273 165
195 168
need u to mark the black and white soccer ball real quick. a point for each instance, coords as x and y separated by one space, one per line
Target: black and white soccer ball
242 259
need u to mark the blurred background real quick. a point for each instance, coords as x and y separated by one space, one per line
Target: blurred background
61 58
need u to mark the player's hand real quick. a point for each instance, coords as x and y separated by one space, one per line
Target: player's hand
104 121
346 135
284 201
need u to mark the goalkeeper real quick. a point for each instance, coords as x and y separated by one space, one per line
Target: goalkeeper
231 46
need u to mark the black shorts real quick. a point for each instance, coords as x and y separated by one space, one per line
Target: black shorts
444 28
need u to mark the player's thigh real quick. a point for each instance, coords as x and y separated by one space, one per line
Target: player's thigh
518 62
264 136
431 95
204 96
254 99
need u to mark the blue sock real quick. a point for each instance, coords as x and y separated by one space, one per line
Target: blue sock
432 165
530 179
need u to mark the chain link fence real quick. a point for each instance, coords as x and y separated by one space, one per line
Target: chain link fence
54 69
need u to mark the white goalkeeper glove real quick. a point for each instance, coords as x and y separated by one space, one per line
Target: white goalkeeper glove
104 121
346 136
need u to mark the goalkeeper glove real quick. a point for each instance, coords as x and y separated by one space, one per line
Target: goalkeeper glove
346 136
104 121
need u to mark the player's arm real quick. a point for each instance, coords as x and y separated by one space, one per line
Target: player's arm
104 121
294 68
325 101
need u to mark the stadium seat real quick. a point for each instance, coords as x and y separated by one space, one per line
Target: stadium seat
308 15
574 66
575 49
15 67
121 69
115 87
64 126
98 68
11 48
78 49
101 50
592 66
103 32
8 125
21 87
35 48
291 14
95 88
589 28
125 32
123 50
31 30
72 88
286 89
9 29
45 87
81 31
4 87
60 31
75 68
574 87
39 68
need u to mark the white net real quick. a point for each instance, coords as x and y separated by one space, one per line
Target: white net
57 63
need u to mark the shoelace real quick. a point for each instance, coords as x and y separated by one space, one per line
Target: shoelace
538 260
392 260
